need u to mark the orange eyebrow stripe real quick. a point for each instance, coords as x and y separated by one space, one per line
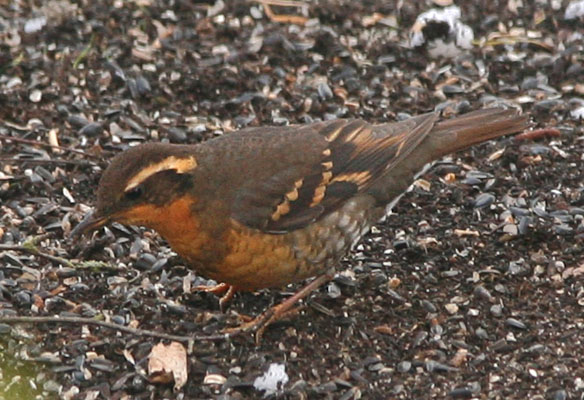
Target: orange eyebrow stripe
180 165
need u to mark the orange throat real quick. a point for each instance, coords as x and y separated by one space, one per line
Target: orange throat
175 222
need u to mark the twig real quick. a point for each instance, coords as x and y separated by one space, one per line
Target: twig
538 133
283 3
30 248
37 143
11 178
499 39
82 163
111 325
84 53
283 18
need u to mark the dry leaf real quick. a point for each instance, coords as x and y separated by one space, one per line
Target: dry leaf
370 20
187 283
167 364
214 379
450 177
427 242
394 282
422 184
496 155
384 329
459 358
575 272
465 232
54 140
129 357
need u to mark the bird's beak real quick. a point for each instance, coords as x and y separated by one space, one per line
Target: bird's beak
90 222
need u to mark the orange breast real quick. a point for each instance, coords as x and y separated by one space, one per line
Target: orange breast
257 260
246 258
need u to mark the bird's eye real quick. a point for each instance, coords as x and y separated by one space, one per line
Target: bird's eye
135 193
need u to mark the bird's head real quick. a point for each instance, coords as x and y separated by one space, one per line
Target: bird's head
138 184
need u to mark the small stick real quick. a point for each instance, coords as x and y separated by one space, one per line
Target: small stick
110 325
82 163
537 134
283 3
31 249
37 143
283 18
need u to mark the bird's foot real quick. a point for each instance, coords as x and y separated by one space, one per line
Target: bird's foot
260 323
277 312
227 291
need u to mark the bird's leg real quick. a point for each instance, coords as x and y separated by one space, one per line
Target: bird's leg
222 288
226 298
272 314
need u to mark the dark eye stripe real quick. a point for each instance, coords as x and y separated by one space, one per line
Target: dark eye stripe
135 193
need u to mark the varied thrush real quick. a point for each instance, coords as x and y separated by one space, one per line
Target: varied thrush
268 206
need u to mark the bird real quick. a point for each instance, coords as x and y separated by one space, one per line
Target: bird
267 206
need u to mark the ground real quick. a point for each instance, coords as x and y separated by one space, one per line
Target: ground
472 288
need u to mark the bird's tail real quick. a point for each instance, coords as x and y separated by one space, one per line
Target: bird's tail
458 133
443 138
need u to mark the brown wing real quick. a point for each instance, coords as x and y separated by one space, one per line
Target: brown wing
344 158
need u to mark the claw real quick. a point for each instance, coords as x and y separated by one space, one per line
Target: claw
227 290
277 312
261 322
